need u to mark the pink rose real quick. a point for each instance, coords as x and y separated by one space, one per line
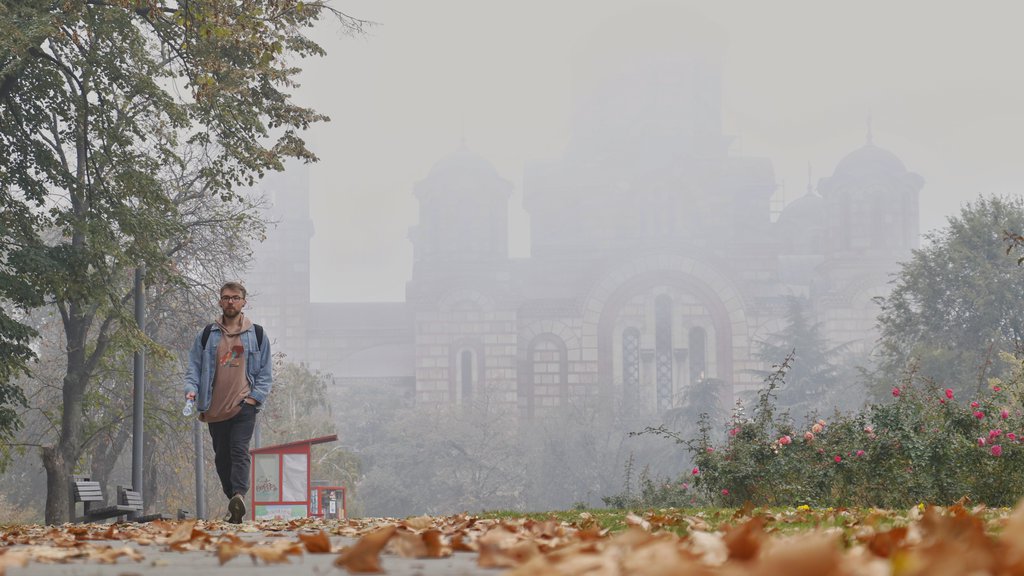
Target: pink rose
785 440
982 441
725 491
997 450
979 415
974 404
838 458
709 449
895 392
808 436
996 388
949 393
860 453
1004 413
993 434
696 470
869 429
1011 437
734 431
817 428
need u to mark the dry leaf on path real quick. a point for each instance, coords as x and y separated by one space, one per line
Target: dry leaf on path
12 559
317 543
500 548
408 545
418 522
275 553
363 557
744 541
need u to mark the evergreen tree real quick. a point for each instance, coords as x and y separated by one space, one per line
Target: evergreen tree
813 376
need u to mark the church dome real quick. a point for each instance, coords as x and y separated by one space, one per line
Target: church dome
870 160
808 210
463 164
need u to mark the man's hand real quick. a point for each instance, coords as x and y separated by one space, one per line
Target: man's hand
190 396
250 400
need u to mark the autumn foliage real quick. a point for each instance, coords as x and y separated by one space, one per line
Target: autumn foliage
803 541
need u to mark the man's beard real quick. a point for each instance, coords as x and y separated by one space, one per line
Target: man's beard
232 313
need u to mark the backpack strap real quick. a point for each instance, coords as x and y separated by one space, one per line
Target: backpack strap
259 335
206 334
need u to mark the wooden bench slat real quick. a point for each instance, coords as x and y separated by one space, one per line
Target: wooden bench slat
108 512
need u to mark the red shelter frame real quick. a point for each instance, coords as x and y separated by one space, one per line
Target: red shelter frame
320 493
262 498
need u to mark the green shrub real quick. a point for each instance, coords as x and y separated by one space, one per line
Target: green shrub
924 445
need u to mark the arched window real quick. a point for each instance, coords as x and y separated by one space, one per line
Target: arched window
548 361
698 355
631 366
465 377
663 351
466 371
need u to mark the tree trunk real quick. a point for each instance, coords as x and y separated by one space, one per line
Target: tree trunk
59 460
58 479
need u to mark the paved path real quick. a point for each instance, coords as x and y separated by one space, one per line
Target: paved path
158 560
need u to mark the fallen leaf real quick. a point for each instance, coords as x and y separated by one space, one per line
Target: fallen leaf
434 544
271 554
408 545
500 548
363 557
110 555
814 554
744 541
317 543
883 544
16 559
418 522
182 533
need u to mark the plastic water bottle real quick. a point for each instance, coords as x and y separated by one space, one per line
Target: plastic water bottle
190 405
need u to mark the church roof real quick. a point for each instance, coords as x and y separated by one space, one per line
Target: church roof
807 210
870 160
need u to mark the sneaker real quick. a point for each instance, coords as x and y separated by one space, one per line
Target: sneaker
236 509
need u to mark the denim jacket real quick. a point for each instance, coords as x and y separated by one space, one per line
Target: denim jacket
202 364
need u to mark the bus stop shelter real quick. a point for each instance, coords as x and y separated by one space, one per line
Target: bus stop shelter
281 479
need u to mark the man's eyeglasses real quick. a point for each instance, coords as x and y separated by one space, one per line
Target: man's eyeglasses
231 298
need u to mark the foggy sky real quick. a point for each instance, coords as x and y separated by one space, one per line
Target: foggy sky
941 82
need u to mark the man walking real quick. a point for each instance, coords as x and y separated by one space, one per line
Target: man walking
230 371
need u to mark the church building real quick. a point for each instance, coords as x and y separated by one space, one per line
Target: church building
655 263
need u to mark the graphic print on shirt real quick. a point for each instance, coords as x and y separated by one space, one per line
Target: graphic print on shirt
231 358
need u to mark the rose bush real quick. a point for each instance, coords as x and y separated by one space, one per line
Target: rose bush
923 445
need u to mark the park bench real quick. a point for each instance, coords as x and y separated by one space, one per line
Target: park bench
133 499
88 492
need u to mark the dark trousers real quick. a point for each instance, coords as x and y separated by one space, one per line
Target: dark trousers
231 450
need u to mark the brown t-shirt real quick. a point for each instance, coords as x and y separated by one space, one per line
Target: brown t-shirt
230 385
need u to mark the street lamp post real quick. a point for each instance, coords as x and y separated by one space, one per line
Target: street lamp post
140 388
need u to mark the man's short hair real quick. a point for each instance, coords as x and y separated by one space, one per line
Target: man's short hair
236 286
